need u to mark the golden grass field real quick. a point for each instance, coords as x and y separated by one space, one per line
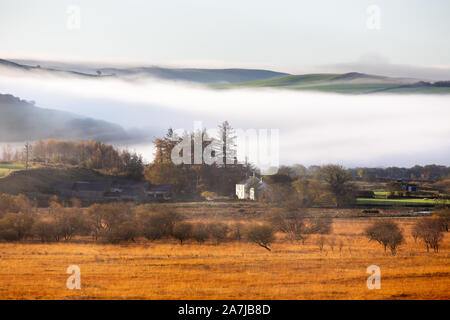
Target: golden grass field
166 270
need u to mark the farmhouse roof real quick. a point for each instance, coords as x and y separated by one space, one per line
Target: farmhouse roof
159 188
94 186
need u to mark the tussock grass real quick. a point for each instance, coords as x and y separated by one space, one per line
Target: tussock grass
233 270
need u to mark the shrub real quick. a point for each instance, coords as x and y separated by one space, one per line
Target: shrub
95 219
70 222
114 221
218 231
444 215
386 233
331 243
158 225
8 234
125 231
262 235
46 231
320 226
321 242
15 204
289 222
182 231
200 232
341 245
429 230
7 204
236 231
17 226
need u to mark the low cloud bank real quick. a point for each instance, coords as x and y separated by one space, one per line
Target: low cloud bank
372 130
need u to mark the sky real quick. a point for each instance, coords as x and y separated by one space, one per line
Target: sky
288 35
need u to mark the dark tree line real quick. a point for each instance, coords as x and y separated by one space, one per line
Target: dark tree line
426 173
122 222
89 154
331 186
416 173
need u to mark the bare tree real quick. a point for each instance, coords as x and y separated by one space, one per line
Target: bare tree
341 245
157 225
444 215
114 222
227 138
7 153
236 231
320 225
16 226
200 232
46 230
430 231
339 183
290 222
262 235
331 243
218 231
27 154
386 233
321 242
182 231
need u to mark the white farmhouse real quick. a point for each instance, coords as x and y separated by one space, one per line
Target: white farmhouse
252 194
243 192
240 191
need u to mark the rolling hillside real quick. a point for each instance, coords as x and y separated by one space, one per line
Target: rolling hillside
347 83
177 74
41 180
21 120
197 75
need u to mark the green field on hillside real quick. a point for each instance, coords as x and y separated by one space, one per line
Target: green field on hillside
286 81
390 202
6 167
381 194
307 85
349 88
350 83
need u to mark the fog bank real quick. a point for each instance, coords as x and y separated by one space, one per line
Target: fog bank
315 128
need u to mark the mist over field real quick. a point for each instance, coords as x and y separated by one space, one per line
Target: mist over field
315 128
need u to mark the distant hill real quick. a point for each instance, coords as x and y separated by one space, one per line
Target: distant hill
21 120
197 75
346 83
45 70
350 83
177 74
7 63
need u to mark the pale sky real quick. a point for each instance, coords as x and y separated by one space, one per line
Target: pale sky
290 35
